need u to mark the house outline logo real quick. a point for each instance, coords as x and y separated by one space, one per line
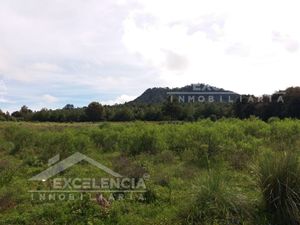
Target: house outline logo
67 163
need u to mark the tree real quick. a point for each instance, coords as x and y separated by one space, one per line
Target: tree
2 116
172 110
153 113
25 110
124 114
69 106
95 111
292 102
24 113
16 114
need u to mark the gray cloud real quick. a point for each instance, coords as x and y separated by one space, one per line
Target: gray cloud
290 44
175 62
88 49
57 48
237 49
211 25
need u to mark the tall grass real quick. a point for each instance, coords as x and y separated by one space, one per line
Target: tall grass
279 176
216 203
173 154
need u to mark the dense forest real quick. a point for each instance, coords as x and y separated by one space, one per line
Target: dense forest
285 105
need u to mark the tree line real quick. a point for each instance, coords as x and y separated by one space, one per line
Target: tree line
282 105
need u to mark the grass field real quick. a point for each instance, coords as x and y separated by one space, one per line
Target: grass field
225 172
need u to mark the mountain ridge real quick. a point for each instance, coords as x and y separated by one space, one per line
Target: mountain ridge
160 94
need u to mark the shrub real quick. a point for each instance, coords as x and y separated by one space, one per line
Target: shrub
105 139
6 146
48 213
33 161
149 196
215 203
140 139
6 172
84 211
284 135
21 138
198 156
239 160
165 156
279 177
273 119
255 128
63 143
127 168
6 201
177 138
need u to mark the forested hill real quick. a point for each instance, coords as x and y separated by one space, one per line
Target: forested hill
154 106
159 94
152 95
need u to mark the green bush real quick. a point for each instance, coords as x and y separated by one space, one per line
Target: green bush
220 155
6 173
216 203
165 156
130 169
106 138
82 212
140 139
279 176
7 201
284 134
21 138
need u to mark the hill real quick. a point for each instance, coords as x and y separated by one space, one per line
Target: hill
160 94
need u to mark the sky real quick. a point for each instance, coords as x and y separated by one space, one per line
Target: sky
55 52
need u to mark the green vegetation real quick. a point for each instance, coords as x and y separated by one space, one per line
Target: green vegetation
280 183
228 171
282 105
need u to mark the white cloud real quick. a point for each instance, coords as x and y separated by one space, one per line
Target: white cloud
91 47
290 44
3 88
175 62
45 67
229 44
119 100
3 92
49 98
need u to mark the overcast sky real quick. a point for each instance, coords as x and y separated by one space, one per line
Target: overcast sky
54 52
